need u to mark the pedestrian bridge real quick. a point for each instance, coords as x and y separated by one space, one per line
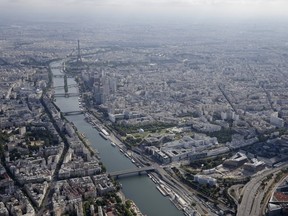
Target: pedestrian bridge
117 174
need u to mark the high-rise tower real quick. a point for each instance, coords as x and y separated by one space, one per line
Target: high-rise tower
79 59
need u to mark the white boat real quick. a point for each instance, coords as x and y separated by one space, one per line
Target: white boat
161 191
104 132
103 135
82 135
113 144
153 179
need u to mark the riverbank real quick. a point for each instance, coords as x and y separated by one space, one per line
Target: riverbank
94 120
133 205
114 140
80 135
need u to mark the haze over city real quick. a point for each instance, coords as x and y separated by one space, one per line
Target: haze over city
143 107
144 10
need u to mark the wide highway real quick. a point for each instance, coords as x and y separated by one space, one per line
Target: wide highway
252 194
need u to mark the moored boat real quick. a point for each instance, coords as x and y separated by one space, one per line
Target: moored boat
103 135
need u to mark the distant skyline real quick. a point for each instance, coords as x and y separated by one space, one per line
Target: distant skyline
201 8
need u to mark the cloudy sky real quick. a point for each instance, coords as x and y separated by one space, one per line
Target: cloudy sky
251 8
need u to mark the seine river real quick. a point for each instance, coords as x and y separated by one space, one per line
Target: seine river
138 188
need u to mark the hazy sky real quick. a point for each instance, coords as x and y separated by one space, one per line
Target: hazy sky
205 8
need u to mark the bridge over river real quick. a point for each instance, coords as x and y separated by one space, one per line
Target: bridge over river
117 174
67 94
62 76
62 87
76 112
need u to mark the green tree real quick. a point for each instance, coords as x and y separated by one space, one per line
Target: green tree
128 204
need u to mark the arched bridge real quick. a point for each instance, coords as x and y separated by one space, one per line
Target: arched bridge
117 174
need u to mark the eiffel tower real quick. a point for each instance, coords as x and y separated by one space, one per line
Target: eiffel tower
79 59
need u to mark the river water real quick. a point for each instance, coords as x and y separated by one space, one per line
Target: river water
138 188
